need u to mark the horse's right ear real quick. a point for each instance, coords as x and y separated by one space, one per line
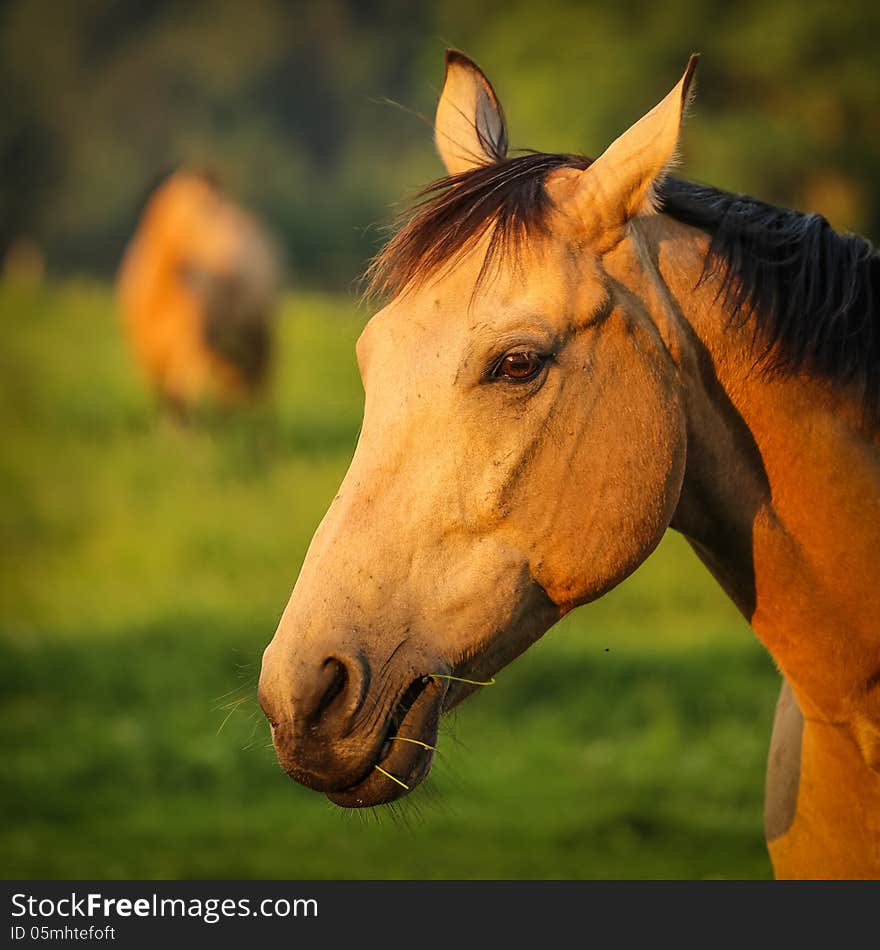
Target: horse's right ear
469 129
623 180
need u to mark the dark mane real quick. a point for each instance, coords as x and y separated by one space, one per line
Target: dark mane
814 294
451 214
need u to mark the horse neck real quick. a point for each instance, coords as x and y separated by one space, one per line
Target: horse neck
781 497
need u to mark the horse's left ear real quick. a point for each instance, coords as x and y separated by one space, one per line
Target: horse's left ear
622 182
469 129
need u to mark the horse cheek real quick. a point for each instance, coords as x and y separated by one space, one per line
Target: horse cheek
617 501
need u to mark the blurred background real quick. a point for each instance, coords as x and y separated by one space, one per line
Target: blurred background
145 562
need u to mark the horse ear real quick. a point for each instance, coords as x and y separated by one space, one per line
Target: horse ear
469 129
622 182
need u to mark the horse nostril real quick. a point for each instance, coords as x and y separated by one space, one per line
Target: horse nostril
335 676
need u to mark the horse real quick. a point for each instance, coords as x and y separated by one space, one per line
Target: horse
197 289
575 356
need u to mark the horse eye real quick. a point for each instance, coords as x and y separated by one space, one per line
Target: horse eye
519 367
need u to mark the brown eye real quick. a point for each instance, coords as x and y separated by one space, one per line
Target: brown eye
519 366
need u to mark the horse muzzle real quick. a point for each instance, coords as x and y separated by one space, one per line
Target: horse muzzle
359 743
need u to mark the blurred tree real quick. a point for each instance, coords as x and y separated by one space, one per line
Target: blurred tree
285 100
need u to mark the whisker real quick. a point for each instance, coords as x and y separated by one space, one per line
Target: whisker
235 689
233 704
252 738
232 708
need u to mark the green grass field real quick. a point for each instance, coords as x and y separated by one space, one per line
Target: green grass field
144 567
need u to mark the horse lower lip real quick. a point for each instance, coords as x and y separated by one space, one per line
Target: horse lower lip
407 761
377 789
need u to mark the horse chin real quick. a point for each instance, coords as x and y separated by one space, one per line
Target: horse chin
378 788
406 753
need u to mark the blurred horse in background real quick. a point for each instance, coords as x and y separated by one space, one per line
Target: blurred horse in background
197 289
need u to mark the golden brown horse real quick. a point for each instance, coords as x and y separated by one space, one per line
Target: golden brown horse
197 291
578 355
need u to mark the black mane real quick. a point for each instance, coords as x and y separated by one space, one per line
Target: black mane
814 294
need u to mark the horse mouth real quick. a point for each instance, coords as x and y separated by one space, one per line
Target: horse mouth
407 750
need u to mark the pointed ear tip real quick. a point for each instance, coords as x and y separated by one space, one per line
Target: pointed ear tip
455 57
686 83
